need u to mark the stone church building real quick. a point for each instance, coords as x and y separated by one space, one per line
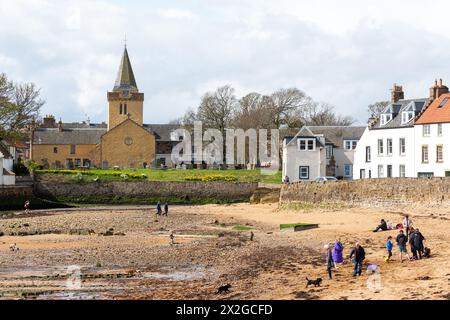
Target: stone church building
123 141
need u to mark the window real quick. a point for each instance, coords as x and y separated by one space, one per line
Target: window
121 109
55 150
407 116
402 171
380 171
304 173
439 153
73 149
380 147
77 163
426 130
425 154
385 118
389 171
307 144
329 152
350 144
125 111
368 156
402 146
439 133
443 103
389 147
348 170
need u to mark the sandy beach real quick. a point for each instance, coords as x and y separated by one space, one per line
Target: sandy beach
212 247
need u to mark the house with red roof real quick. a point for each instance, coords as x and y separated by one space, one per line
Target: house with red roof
432 139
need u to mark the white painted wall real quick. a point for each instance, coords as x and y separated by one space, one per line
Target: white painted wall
293 159
7 165
438 169
370 138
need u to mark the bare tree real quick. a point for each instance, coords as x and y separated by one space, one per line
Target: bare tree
322 114
377 108
253 112
288 106
19 105
217 108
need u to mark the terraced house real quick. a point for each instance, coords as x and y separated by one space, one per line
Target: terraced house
123 141
402 141
318 151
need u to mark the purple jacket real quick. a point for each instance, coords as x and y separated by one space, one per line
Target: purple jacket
337 252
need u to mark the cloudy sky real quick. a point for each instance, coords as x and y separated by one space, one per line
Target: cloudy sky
347 53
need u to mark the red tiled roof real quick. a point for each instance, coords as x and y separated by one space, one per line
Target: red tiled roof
437 112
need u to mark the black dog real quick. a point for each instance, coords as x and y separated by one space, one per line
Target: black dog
224 289
315 283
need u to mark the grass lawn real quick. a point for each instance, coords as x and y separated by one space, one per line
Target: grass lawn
167 175
294 225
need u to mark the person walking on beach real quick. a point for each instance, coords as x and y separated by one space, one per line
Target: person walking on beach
158 208
358 253
329 259
418 242
401 243
411 237
166 209
389 248
338 253
27 206
407 223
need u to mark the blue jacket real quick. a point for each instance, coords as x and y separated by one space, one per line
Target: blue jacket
389 245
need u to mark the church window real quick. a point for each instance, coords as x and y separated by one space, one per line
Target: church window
55 149
121 110
125 109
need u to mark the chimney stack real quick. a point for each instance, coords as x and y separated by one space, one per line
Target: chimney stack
437 90
397 93
49 121
60 127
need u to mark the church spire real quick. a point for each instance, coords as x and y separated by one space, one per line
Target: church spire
125 77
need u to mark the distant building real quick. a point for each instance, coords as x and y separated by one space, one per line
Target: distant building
7 176
408 139
123 141
317 151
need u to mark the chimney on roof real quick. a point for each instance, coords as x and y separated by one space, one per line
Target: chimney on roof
437 90
397 93
49 121
60 126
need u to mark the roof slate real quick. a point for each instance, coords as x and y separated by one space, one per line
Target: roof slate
400 106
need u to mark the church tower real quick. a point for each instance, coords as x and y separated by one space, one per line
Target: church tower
125 101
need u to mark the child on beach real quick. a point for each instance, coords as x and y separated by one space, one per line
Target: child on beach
389 248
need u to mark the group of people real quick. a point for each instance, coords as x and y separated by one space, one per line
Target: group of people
407 235
335 256
159 211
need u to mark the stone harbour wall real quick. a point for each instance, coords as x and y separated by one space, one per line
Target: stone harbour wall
14 192
148 189
371 192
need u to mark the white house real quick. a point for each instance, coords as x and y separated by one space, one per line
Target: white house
391 146
7 176
432 133
317 151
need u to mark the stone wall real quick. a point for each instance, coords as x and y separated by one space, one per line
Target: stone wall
12 192
371 192
148 189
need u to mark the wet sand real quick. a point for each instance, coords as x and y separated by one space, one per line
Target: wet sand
212 247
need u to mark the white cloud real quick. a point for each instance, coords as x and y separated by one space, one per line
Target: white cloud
347 53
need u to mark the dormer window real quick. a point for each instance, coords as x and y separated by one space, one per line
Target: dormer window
307 144
385 118
407 116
